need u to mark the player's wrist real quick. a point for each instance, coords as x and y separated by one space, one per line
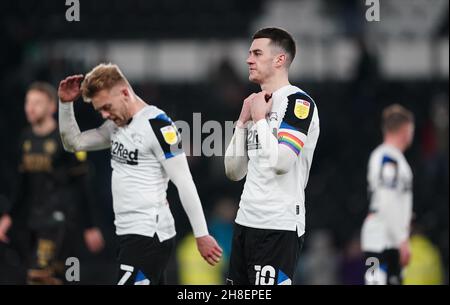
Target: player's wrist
258 116
240 124
259 119
63 102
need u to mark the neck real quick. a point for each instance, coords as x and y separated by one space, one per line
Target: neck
275 83
136 105
394 141
44 127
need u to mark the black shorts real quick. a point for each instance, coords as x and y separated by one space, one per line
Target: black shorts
263 257
142 260
389 264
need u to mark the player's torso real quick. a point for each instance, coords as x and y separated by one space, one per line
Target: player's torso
47 172
139 182
278 197
40 154
137 174
266 183
390 181
389 168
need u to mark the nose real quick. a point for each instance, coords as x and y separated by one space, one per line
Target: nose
249 60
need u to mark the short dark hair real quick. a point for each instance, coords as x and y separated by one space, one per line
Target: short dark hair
394 117
45 88
280 38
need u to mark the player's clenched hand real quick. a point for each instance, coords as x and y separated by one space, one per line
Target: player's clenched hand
209 249
245 115
260 106
69 88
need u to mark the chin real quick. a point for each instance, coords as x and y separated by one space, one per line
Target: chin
253 79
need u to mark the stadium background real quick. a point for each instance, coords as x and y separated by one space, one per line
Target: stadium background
189 56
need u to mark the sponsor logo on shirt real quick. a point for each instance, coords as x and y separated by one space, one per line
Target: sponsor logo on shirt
123 155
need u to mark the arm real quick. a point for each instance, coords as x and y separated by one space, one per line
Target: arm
236 159
178 171
81 177
165 144
281 157
72 139
281 148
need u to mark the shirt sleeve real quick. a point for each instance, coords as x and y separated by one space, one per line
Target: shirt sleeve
283 148
74 140
389 172
296 123
177 170
236 159
167 140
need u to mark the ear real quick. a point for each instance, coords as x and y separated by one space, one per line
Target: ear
280 60
53 107
124 90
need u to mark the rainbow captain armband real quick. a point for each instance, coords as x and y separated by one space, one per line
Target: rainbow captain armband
290 141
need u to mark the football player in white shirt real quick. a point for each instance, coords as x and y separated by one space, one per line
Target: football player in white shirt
145 155
385 232
273 145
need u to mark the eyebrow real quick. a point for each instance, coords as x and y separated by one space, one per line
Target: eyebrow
254 50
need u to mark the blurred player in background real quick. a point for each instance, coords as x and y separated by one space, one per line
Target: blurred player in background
145 154
385 232
50 209
273 145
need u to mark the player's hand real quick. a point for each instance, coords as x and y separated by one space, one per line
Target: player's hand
5 223
209 249
261 106
405 253
69 88
245 115
94 240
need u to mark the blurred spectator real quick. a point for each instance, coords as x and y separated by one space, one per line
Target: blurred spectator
51 212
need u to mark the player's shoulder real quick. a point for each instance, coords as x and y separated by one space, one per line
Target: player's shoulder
383 154
152 115
301 110
295 93
158 118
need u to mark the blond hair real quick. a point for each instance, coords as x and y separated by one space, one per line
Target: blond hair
394 117
103 76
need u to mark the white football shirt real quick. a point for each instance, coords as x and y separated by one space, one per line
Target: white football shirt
270 200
